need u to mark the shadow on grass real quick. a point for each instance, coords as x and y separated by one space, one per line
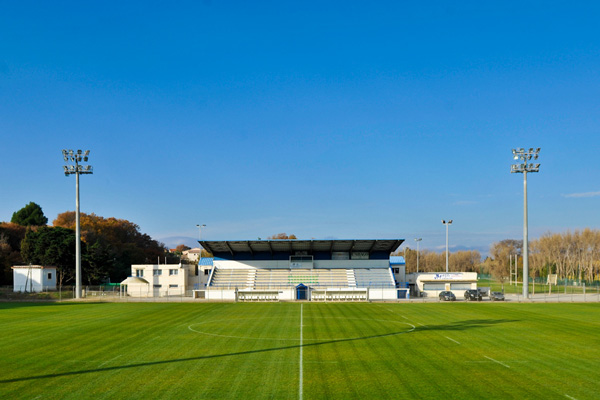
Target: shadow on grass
9 305
464 325
455 326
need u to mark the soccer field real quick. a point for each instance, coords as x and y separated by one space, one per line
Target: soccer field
299 350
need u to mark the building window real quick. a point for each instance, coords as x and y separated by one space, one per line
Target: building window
157 272
49 275
196 270
396 270
173 271
434 286
206 271
460 286
157 286
173 286
139 273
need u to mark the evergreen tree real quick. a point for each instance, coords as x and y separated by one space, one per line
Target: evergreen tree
30 215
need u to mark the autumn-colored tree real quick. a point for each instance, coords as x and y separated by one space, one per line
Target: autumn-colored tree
205 254
570 255
282 236
115 243
181 248
500 261
429 261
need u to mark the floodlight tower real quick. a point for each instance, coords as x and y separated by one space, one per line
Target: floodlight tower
200 238
76 157
524 168
447 223
200 230
417 240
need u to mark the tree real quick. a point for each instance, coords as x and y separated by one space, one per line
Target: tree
181 248
282 236
50 246
429 261
30 215
113 244
500 252
11 236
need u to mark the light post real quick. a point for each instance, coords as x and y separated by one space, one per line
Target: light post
524 168
200 231
76 156
417 240
447 223
200 238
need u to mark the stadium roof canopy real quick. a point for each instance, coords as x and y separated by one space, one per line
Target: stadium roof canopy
292 245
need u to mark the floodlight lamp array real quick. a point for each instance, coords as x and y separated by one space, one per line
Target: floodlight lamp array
76 156
525 156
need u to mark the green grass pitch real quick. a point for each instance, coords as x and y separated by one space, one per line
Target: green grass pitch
299 350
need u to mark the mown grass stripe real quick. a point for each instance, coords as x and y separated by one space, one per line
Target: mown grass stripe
97 350
300 377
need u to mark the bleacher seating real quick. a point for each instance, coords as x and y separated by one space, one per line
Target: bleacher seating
374 277
316 278
232 278
281 278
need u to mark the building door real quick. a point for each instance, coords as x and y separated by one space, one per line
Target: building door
301 292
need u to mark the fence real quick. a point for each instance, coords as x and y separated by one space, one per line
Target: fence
565 291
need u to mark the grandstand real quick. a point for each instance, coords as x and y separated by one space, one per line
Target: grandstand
316 270
261 278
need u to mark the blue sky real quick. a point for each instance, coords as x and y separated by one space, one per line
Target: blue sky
323 119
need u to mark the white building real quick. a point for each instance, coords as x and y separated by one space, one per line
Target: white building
430 284
192 255
160 280
33 278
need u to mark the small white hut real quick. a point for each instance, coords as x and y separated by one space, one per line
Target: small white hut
33 278
135 286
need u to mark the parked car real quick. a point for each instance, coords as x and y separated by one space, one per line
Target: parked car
497 296
473 295
447 296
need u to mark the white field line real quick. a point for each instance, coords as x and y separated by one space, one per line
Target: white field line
452 340
569 397
421 324
191 328
301 343
496 361
106 362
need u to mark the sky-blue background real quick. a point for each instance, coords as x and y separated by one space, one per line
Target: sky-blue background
352 119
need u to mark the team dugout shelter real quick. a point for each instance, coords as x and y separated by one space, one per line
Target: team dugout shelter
310 270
